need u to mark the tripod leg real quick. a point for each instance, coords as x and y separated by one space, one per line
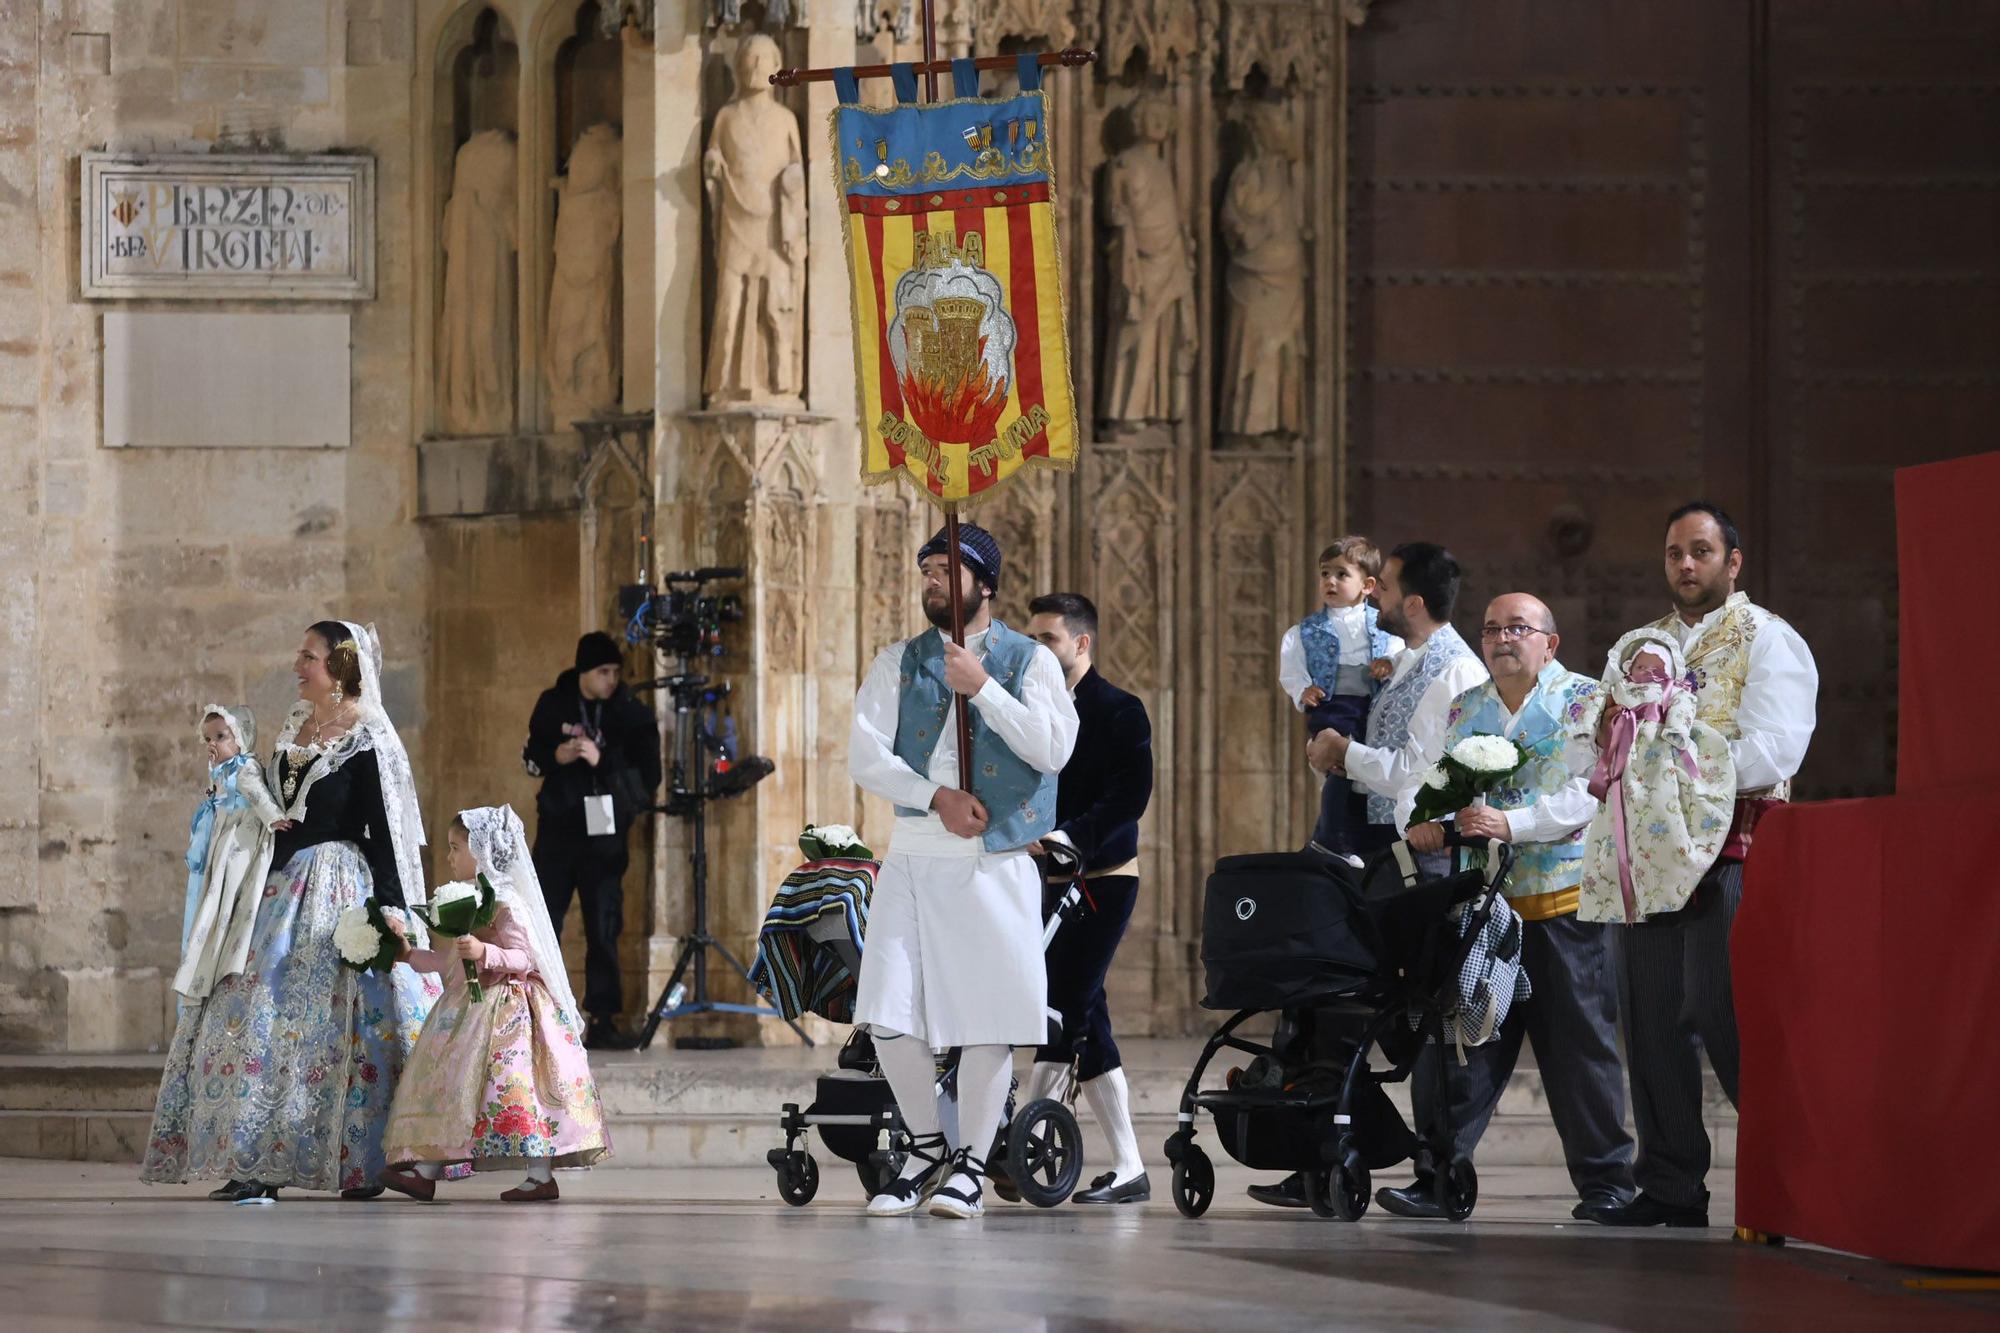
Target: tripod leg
688 947
744 972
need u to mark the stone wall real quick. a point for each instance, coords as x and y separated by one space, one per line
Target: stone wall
139 584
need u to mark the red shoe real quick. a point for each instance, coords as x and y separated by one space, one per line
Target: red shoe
410 1183
545 1192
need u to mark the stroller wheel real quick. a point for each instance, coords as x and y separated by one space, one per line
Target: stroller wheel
1456 1188
878 1168
1194 1182
1045 1153
798 1179
1338 1191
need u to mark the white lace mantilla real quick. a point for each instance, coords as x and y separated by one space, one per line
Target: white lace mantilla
372 730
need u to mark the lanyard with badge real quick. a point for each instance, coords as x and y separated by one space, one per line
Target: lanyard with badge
600 819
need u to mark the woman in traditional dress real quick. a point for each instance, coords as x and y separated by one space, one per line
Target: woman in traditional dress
283 1075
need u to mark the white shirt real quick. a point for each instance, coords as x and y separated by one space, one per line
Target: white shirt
1780 698
1039 727
1552 817
1393 772
1350 627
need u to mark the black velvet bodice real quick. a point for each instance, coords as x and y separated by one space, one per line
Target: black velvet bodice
343 806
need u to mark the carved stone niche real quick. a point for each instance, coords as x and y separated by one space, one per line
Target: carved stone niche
1162 36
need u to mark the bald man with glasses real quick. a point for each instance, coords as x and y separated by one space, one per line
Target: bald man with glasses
1571 1017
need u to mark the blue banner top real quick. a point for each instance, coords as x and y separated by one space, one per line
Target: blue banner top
974 141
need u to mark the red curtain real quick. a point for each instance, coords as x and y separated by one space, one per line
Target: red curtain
1866 955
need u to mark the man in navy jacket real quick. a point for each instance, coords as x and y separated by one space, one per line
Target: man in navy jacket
1102 793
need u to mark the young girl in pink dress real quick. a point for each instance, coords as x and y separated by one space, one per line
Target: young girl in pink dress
501 1082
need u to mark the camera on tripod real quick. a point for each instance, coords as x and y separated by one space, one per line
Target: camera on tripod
679 617
686 622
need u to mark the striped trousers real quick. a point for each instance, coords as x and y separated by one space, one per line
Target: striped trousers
1675 1002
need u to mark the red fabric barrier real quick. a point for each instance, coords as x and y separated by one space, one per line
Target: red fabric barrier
1950 616
1866 964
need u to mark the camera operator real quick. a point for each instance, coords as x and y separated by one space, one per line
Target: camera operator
597 751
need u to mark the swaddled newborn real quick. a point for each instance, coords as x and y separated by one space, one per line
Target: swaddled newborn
1666 781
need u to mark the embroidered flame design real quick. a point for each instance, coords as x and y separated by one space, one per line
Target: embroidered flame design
954 404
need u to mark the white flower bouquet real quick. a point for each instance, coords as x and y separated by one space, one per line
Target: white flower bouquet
1469 770
364 940
459 908
824 842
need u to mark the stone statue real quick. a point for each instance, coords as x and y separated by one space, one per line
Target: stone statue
580 355
476 344
756 185
1151 350
1264 328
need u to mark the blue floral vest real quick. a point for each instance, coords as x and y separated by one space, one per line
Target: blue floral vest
1322 648
1558 700
1020 802
1396 704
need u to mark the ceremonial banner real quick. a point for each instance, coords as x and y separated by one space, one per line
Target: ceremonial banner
961 354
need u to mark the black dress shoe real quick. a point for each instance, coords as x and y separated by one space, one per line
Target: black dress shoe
1647 1211
232 1191
1106 1189
1598 1208
1287 1193
1417 1199
362 1193
605 1036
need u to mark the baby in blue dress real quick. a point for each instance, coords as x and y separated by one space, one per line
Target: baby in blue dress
230 839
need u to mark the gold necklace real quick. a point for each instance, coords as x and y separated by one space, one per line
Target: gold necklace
292 766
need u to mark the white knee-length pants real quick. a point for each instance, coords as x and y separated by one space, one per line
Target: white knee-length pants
954 950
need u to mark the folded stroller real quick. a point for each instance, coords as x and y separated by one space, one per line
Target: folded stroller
1352 959
808 961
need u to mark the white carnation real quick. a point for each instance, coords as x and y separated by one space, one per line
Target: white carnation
1437 779
356 937
452 892
834 835
1486 754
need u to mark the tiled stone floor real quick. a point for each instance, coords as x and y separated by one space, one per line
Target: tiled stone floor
86 1246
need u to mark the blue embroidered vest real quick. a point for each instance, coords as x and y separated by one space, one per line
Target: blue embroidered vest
1558 700
1321 643
1020 802
1390 715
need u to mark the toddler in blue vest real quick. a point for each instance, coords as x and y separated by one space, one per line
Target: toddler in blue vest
1331 663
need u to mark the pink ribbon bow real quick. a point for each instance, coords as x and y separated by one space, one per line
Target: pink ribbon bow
1607 781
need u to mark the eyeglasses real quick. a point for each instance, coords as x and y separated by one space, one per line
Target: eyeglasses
1492 632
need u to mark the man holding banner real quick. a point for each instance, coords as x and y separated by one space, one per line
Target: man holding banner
954 955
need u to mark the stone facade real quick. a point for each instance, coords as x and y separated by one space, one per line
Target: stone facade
136 582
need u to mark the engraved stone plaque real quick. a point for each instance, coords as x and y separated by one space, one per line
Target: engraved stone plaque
219 227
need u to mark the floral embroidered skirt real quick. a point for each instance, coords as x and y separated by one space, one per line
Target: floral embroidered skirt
286 1072
499 1083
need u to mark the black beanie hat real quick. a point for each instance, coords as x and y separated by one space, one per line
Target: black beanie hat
597 649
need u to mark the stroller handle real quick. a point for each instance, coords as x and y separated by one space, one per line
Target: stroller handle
1502 853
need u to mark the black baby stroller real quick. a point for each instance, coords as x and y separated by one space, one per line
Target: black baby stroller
1351 958
854 1110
